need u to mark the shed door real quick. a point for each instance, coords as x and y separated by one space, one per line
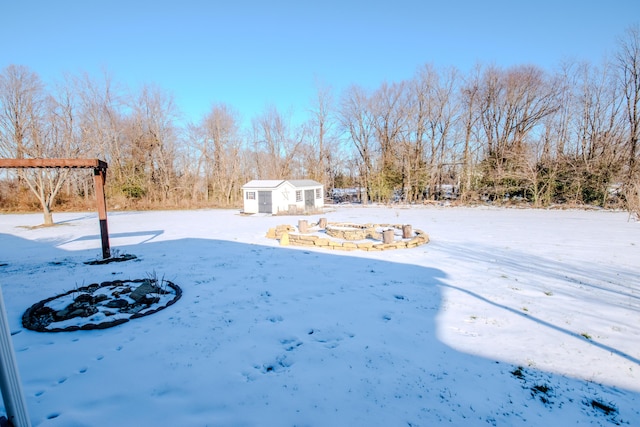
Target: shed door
309 198
264 202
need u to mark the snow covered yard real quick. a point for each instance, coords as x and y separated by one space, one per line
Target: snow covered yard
507 317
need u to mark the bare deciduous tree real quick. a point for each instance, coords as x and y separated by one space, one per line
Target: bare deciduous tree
357 121
469 101
276 144
598 131
21 98
628 61
101 117
152 136
521 131
222 153
441 116
321 136
37 125
514 102
389 105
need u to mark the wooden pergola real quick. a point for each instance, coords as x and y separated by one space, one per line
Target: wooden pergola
99 177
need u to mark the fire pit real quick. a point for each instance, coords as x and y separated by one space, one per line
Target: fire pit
349 236
353 232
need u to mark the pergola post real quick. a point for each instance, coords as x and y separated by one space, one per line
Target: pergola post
99 177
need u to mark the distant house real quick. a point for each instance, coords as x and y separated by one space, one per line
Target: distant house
283 196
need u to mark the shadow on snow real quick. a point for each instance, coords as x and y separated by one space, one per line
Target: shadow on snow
265 335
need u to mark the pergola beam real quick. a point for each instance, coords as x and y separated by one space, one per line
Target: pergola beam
53 163
99 177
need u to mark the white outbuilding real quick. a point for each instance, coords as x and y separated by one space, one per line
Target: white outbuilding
283 196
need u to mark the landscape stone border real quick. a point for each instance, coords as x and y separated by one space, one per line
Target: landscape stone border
346 236
142 298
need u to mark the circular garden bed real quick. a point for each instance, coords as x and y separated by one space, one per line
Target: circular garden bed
100 306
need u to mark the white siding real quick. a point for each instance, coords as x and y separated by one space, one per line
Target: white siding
283 195
250 197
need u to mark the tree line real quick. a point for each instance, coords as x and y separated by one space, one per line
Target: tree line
519 133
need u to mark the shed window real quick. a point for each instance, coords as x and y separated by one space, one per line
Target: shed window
251 195
318 193
298 195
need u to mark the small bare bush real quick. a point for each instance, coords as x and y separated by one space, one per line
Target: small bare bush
633 200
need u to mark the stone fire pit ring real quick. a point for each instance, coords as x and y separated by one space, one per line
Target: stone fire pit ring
349 236
353 232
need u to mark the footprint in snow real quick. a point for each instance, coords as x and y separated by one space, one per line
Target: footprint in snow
279 364
330 339
290 343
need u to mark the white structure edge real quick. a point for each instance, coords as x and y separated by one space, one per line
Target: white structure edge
10 384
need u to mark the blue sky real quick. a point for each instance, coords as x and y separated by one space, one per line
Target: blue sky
252 54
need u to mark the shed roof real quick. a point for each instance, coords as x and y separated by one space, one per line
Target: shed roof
275 183
263 183
304 183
